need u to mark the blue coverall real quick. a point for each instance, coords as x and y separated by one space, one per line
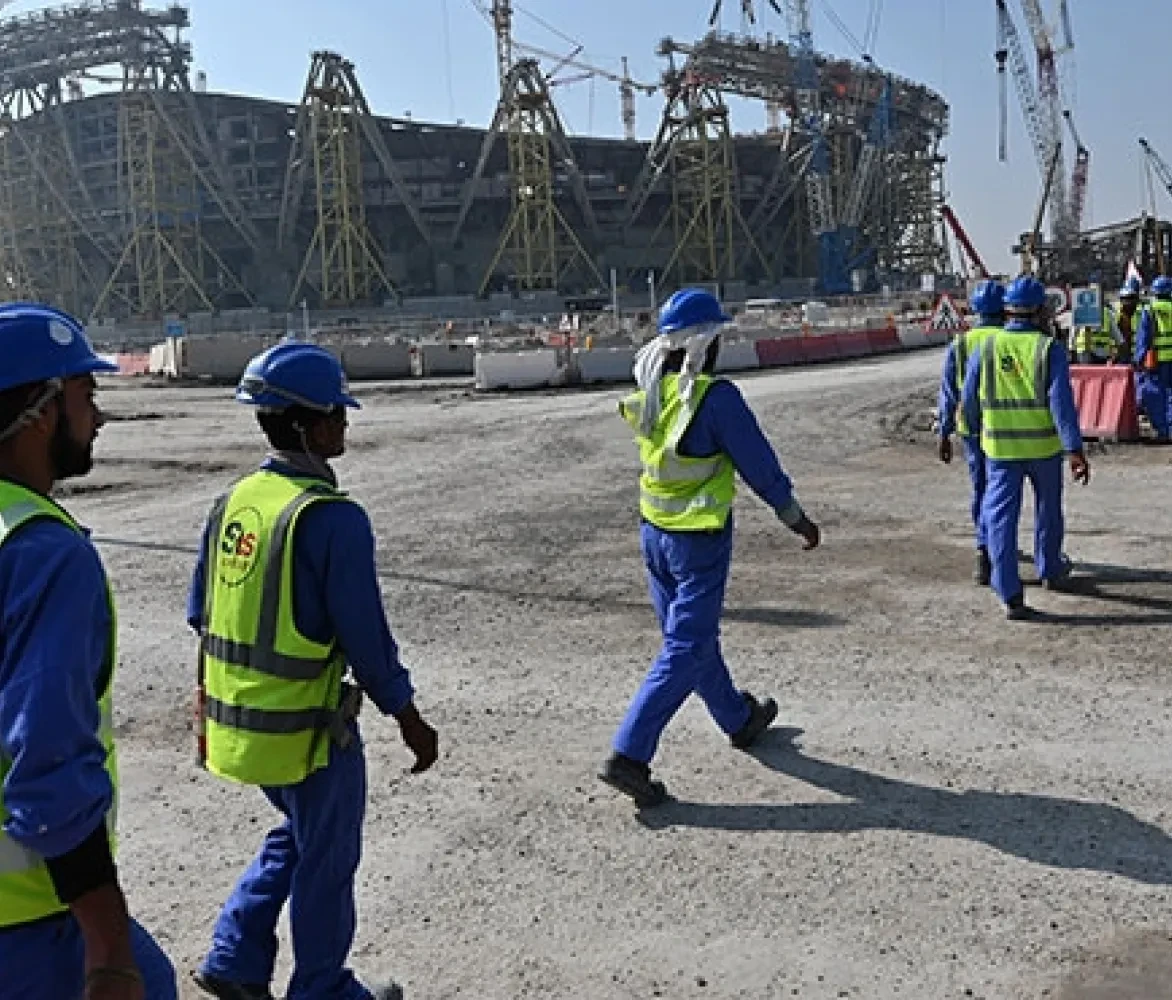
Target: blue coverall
686 575
1154 388
974 457
311 858
53 643
1006 479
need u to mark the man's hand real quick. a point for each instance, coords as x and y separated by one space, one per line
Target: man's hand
1080 468
114 984
420 739
946 450
809 531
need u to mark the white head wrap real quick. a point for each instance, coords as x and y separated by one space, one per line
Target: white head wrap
694 341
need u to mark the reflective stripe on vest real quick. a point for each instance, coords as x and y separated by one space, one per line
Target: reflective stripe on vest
1161 310
26 890
963 346
1016 422
678 492
270 693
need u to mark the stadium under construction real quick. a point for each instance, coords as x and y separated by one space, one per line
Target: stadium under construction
128 191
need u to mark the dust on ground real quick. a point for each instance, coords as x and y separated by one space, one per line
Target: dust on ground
953 807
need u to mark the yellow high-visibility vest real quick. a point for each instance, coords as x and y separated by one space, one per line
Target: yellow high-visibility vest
1016 422
964 345
678 492
26 890
270 693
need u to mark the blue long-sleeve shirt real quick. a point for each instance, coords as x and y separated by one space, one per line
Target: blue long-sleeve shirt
54 638
1058 391
949 398
335 595
725 423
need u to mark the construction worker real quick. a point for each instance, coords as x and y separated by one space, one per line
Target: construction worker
694 434
65 931
1153 359
988 304
1099 345
1017 392
1127 317
285 596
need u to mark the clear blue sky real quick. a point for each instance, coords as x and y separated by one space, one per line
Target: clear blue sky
435 58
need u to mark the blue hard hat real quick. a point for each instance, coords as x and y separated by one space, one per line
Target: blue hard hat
38 343
293 374
1025 295
1162 287
988 298
1130 290
690 307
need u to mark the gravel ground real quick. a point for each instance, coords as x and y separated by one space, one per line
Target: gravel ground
951 807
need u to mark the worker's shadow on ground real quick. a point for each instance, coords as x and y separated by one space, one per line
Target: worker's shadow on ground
1100 582
1063 833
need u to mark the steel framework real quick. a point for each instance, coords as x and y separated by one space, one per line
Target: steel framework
694 149
342 250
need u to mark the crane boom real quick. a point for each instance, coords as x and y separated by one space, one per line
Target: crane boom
1078 178
1158 165
962 238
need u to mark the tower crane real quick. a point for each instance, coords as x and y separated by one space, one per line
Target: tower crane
1040 113
500 16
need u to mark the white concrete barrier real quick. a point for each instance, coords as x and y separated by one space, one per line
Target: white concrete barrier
608 364
519 370
737 356
912 336
376 359
221 357
428 360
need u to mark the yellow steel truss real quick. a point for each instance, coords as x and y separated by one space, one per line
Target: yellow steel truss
537 246
343 249
707 225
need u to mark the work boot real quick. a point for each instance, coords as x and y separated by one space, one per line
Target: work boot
1060 582
983 572
222 989
1016 610
761 716
633 778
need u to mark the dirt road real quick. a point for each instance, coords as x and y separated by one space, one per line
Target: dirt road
971 809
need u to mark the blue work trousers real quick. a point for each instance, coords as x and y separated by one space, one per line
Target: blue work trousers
686 574
1002 509
46 961
977 476
308 860
1154 390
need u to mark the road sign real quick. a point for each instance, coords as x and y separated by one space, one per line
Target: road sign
946 316
1058 299
1088 306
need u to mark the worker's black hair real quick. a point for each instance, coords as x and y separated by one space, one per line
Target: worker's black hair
675 361
286 429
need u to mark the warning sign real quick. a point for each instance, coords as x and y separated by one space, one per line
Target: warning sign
946 317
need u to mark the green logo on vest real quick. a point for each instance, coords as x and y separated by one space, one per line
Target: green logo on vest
1009 364
238 543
